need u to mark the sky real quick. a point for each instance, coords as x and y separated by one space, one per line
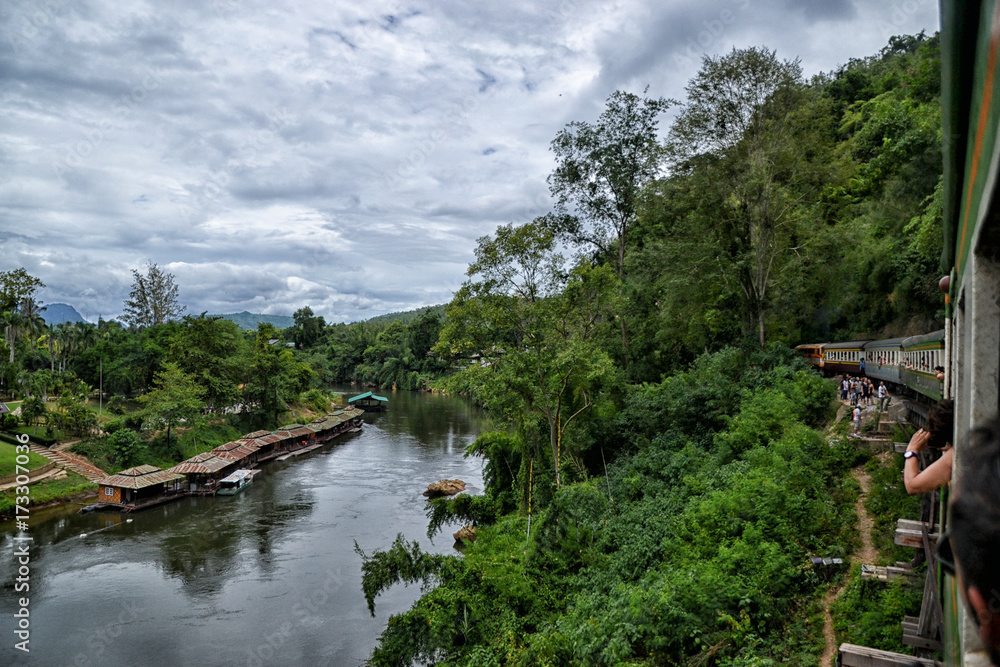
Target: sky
341 156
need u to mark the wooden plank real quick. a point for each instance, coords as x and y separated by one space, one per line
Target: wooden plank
912 538
917 641
874 572
910 524
900 447
896 572
852 655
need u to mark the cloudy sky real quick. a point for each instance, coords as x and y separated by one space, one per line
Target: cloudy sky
345 156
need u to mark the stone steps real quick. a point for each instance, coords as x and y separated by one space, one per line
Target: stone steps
68 461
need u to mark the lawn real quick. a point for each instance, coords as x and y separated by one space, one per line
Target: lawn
8 458
48 490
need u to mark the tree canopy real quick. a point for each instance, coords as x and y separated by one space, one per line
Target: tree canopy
153 299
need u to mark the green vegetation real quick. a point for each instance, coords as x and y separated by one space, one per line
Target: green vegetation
633 348
49 490
870 612
653 428
8 459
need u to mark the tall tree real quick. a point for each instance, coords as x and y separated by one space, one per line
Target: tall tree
533 323
16 286
602 169
735 126
307 328
600 175
153 299
176 396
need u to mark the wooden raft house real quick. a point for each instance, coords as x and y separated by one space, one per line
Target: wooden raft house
139 487
369 402
201 474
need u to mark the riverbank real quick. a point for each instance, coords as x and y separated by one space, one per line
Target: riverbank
68 488
273 569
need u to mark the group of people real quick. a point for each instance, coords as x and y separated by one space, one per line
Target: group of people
861 391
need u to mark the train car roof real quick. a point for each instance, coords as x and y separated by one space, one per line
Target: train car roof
854 344
888 342
934 335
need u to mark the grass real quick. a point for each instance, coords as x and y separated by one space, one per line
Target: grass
48 491
8 459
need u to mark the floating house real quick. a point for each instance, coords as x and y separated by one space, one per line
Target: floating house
205 473
204 470
139 486
369 402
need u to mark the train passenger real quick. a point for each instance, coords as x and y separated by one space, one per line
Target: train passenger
844 384
857 419
973 538
883 395
939 373
936 435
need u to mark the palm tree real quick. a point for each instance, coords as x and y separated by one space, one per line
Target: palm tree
34 323
12 322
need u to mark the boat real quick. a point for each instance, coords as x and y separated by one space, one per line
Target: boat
234 483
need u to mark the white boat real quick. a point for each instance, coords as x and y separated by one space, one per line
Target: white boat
234 483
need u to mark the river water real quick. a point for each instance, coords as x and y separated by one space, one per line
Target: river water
266 577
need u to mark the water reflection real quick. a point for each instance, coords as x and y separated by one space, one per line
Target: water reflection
271 570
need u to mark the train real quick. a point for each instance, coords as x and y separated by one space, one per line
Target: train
917 363
968 348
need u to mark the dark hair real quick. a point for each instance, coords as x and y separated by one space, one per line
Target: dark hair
975 512
941 423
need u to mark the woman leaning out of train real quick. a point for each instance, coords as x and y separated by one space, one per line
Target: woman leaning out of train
935 436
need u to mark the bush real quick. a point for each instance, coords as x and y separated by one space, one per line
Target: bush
317 400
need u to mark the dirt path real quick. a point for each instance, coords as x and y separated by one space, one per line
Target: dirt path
865 554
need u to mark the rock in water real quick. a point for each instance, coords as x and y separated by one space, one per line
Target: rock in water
466 533
444 487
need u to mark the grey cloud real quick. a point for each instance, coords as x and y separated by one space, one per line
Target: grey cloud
342 155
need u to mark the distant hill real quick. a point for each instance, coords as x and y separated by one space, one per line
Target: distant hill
247 320
406 316
57 313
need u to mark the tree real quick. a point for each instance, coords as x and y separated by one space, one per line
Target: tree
32 409
735 127
211 350
602 170
307 328
153 299
126 445
533 324
600 175
15 287
273 377
175 398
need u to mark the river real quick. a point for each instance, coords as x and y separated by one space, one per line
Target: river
266 577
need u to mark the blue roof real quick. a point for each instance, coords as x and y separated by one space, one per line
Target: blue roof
368 394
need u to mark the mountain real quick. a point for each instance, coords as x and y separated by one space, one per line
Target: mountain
248 320
57 313
406 316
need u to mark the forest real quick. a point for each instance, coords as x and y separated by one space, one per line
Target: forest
657 476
